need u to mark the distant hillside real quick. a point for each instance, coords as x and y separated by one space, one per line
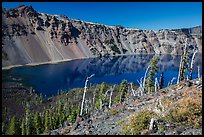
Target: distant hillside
32 37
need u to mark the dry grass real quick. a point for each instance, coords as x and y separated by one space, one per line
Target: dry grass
137 123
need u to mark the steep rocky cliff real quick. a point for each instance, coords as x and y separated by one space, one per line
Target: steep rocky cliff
32 37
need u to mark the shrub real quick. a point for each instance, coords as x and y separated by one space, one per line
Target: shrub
138 122
187 112
113 111
120 122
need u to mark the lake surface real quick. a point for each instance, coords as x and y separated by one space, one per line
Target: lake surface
48 79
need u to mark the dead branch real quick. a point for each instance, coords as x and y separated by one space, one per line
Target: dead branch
85 88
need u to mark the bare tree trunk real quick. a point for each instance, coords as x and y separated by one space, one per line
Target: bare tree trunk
111 93
178 80
152 124
145 76
172 81
182 63
156 84
159 108
86 106
198 71
83 99
103 99
141 89
133 91
101 103
94 95
192 63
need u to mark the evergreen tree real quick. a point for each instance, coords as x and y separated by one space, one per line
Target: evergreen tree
50 120
184 64
60 112
122 91
161 81
100 96
13 126
151 74
37 124
78 110
28 121
23 128
3 130
47 121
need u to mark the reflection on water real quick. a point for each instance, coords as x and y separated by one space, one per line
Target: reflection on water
48 79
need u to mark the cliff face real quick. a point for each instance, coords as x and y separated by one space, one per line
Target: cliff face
32 37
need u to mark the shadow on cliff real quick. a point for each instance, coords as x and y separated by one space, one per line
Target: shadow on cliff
75 33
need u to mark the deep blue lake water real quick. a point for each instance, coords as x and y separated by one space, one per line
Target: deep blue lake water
49 78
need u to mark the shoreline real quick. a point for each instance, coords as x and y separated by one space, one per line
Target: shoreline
40 63
66 60
59 61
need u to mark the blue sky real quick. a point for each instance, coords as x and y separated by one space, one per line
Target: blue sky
142 15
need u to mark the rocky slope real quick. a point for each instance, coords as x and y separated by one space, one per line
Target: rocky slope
32 37
109 122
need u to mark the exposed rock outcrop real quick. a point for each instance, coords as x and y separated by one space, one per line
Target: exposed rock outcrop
33 37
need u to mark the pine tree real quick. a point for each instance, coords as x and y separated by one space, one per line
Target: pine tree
37 124
151 74
3 130
122 91
47 121
184 64
23 128
161 81
78 110
100 96
28 121
12 126
50 120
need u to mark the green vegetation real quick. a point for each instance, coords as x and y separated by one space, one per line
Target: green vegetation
161 81
120 122
138 122
100 96
186 112
14 127
153 71
113 111
122 91
41 122
184 64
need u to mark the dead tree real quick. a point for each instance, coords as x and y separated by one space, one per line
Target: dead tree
152 124
103 99
156 85
111 93
101 103
198 71
172 80
192 63
133 91
161 81
143 84
141 88
179 70
159 108
83 99
183 63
